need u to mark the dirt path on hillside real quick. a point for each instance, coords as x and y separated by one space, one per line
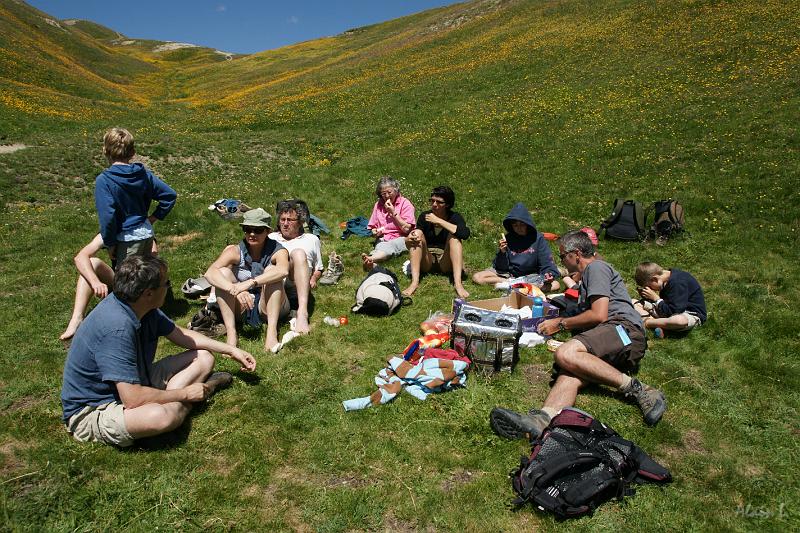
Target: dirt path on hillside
9 148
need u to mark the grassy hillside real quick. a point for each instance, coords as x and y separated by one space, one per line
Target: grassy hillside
563 105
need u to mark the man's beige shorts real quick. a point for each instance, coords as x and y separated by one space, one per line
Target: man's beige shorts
104 423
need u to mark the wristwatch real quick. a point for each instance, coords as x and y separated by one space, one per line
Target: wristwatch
561 326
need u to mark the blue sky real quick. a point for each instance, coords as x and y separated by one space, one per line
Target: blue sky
238 26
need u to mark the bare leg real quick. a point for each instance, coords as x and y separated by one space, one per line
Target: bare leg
272 299
453 261
300 274
564 392
675 322
228 308
83 295
368 261
154 419
486 277
419 257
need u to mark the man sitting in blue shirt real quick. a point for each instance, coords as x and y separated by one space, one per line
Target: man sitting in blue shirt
113 392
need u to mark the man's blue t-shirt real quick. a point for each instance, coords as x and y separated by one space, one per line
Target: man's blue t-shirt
110 346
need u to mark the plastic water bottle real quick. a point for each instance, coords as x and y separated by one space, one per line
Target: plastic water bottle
538 307
331 321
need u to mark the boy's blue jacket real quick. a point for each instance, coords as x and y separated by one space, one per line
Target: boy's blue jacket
122 196
527 254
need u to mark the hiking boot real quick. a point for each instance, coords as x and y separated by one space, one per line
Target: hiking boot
334 270
651 401
512 425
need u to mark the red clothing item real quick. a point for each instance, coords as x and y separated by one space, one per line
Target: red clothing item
448 354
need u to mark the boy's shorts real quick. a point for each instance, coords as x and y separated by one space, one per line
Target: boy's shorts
391 248
692 320
604 342
125 249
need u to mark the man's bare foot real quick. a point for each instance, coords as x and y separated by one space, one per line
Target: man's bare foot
410 290
218 380
367 262
301 324
72 327
462 292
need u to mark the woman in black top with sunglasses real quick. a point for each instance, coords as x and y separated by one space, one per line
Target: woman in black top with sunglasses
435 244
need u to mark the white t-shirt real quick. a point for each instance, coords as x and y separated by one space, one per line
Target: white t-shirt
308 242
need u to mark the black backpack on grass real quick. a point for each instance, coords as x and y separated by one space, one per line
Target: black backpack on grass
626 222
668 219
577 463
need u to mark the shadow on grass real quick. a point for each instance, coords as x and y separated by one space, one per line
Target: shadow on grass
174 307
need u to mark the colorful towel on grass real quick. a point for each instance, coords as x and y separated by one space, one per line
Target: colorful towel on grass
426 376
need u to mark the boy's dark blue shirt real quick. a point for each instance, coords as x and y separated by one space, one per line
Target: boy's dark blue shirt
682 293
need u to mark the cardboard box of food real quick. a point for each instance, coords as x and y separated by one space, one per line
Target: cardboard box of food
515 300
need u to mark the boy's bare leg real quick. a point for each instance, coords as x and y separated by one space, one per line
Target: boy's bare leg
83 295
675 322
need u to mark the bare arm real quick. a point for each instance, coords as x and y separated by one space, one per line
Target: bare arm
135 395
277 271
229 258
596 314
196 341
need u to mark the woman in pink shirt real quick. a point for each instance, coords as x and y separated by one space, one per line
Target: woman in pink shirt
392 219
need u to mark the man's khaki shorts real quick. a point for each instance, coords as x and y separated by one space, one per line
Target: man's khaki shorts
604 341
104 423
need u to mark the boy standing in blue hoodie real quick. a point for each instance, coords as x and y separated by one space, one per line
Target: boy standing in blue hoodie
122 196
522 251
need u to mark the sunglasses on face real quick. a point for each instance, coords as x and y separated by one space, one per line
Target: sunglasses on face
257 230
565 254
437 201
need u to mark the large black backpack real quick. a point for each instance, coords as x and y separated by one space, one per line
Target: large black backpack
578 463
668 219
626 221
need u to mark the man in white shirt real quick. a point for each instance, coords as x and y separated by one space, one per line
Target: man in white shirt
305 254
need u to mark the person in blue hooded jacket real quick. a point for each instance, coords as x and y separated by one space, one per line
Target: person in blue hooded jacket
522 251
122 196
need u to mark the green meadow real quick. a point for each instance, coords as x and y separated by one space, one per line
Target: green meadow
564 105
